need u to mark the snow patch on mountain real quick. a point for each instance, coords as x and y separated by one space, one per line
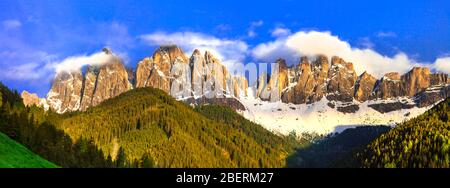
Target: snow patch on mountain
319 117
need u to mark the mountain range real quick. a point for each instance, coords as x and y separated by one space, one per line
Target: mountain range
319 94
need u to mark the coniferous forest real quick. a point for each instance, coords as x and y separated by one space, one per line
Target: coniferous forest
422 142
147 128
143 128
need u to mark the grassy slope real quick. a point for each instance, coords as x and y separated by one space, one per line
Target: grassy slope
14 155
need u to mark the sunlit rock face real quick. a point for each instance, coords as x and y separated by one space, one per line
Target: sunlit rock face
364 86
66 90
103 82
72 91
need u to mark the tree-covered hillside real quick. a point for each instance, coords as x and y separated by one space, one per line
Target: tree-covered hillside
423 141
148 123
336 150
142 128
261 135
32 127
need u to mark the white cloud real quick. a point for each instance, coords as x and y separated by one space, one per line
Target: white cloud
280 32
223 27
11 24
28 71
365 42
313 43
257 23
253 25
75 63
382 34
251 33
228 51
442 65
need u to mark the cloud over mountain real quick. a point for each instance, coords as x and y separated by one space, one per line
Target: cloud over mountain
228 51
312 43
75 63
442 65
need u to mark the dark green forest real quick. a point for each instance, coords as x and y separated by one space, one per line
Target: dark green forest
421 142
148 122
147 128
143 128
336 150
33 128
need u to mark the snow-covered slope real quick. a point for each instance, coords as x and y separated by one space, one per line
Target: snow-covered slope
319 117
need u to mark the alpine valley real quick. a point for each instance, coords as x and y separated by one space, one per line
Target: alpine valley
179 110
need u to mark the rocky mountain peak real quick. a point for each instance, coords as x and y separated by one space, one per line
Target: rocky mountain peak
173 52
391 76
72 91
439 79
337 80
303 59
364 86
106 50
30 99
388 86
65 93
342 78
196 52
200 75
103 82
415 81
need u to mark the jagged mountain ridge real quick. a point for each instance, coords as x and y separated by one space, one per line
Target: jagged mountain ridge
322 97
314 81
168 69
306 83
71 90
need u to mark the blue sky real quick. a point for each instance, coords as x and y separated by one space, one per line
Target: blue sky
35 35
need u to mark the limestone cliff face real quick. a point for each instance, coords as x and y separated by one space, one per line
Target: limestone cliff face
106 81
240 86
201 75
279 80
439 79
320 69
65 93
388 86
342 78
310 82
168 69
393 85
30 99
156 71
415 81
71 91
215 74
304 87
364 86
261 91
198 73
